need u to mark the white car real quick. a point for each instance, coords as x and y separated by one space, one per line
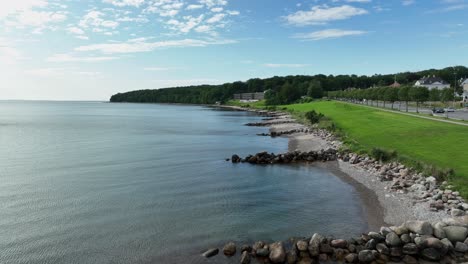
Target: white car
449 110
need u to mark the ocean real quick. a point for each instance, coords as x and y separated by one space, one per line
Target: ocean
95 182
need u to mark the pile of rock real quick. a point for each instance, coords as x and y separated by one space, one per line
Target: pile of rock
412 242
271 123
285 132
406 180
286 158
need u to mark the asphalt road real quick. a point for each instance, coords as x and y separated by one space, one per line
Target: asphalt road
457 115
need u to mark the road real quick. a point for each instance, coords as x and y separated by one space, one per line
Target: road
457 115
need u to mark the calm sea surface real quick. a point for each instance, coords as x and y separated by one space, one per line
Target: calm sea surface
89 182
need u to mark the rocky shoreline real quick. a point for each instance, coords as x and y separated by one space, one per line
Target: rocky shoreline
434 229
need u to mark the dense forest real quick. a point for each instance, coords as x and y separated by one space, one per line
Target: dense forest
282 90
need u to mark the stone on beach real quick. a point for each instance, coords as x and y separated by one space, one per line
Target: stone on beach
419 227
245 258
210 253
314 244
277 252
229 249
456 233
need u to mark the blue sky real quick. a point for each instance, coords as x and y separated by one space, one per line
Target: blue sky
91 49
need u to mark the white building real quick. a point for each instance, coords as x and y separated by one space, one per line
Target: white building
432 82
464 84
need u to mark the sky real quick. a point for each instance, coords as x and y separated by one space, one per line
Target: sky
91 49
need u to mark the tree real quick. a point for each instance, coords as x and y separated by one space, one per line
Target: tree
447 95
434 95
315 89
403 95
391 95
419 94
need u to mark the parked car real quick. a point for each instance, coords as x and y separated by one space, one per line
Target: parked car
438 111
449 110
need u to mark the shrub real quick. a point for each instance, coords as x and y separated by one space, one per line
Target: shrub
313 116
383 155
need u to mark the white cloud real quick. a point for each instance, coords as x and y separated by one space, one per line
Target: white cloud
358 1
94 19
158 68
64 57
408 2
9 7
279 65
58 72
193 7
215 19
211 3
329 33
75 30
8 53
217 9
122 3
142 45
323 14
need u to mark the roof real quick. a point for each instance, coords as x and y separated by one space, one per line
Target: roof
395 84
431 80
465 82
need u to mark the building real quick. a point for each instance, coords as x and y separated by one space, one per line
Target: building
432 82
464 85
249 97
395 85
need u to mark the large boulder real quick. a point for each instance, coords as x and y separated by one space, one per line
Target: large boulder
366 256
262 252
210 253
352 258
339 243
419 227
277 253
229 249
431 254
456 233
302 245
410 249
291 257
382 249
439 230
245 258
393 240
461 247
314 244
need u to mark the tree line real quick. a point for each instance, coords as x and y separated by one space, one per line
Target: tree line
391 95
281 90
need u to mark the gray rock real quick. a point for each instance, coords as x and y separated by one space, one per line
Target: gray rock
314 244
439 230
457 212
352 258
385 230
246 248
262 252
210 253
377 236
371 244
396 252
245 258
366 256
431 254
339 243
409 260
447 243
461 247
258 245
410 249
405 238
400 230
326 248
393 240
291 257
305 261
277 253
456 233
419 227
229 249
302 245
382 249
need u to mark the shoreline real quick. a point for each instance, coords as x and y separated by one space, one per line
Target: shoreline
410 210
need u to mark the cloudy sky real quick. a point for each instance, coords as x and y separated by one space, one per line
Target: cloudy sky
91 49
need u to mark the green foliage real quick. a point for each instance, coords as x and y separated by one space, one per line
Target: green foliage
284 90
415 139
315 89
447 95
313 117
383 155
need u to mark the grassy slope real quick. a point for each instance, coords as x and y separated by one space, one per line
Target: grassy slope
441 144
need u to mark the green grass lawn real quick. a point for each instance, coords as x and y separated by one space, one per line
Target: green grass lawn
434 143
